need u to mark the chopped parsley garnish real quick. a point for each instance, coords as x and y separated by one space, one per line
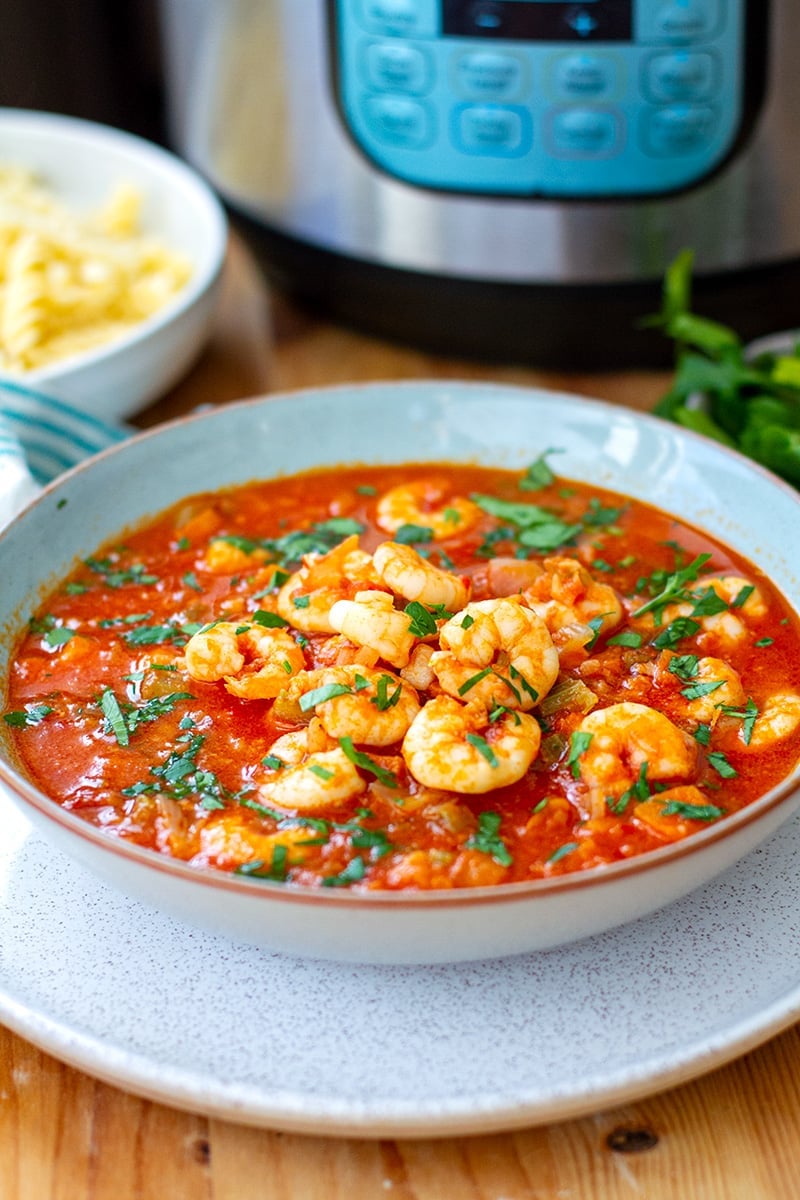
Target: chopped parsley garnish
191 581
383 698
359 759
563 851
676 631
695 690
422 622
32 714
474 680
765 641
537 527
483 748
269 620
321 694
579 742
692 812
674 586
703 734
743 595
407 535
321 772
628 638
117 577
719 762
639 790
114 718
685 666
747 715
487 839
354 872
276 871
538 475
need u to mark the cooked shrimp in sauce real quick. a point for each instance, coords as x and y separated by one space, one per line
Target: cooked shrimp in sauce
408 677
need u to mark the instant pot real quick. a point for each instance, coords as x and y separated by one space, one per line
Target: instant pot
504 179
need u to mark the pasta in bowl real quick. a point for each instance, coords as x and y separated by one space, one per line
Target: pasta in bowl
452 703
110 256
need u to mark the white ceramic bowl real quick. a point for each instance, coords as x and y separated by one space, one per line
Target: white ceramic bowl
692 477
81 162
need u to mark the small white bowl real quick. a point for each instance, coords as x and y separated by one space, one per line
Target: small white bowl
698 480
81 162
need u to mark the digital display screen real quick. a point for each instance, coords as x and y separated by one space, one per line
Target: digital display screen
540 20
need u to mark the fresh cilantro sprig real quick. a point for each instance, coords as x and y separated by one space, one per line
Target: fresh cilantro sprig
753 406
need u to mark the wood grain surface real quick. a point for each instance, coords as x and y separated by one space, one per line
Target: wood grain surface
732 1135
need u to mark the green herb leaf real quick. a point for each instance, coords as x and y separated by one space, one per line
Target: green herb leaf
319 695
483 748
33 714
114 718
359 759
692 812
407 535
422 622
488 840
579 742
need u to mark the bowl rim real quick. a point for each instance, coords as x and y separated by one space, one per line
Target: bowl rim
304 895
166 163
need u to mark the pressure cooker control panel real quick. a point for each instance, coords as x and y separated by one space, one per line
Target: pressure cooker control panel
583 99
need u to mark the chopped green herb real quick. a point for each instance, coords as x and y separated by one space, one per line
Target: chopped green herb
703 734
628 638
743 595
487 839
765 641
321 694
692 812
383 698
563 851
719 762
269 620
695 690
422 622
301 601
685 666
474 680
674 587
538 475
579 742
32 714
483 748
273 762
354 872
359 759
676 631
114 718
747 715
58 637
191 581
320 771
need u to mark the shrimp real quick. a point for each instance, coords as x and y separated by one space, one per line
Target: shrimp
254 662
777 719
708 673
428 503
376 708
565 594
623 740
455 747
504 576
727 629
411 576
312 782
306 599
371 619
497 652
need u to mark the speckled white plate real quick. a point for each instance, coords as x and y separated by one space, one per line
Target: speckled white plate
205 1024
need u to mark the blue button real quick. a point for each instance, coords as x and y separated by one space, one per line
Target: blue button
679 129
682 75
395 67
403 17
492 129
399 121
579 76
584 132
686 20
487 75
581 21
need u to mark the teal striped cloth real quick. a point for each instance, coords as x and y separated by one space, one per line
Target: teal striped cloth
45 436
40 437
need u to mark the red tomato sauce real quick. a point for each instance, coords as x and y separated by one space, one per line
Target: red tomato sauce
109 721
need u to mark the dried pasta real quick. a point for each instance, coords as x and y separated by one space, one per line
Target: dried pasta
71 281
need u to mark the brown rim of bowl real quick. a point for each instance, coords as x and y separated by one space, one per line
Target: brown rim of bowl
447 898
501 893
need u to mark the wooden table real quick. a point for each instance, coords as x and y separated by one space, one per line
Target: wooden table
732 1135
